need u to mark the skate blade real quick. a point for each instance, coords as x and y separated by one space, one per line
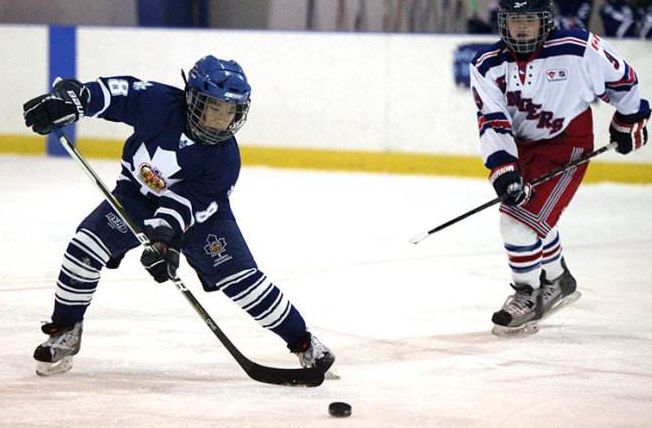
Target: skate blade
49 369
571 298
331 375
526 329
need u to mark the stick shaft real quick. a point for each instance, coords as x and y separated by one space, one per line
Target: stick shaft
550 175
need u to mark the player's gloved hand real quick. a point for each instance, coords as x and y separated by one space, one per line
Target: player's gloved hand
629 131
64 105
507 180
162 264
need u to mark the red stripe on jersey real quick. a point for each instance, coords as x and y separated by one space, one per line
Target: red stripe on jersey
628 80
486 56
494 123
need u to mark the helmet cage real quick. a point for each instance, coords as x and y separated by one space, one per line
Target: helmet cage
546 24
217 99
197 105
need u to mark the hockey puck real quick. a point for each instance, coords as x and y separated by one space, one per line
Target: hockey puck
339 409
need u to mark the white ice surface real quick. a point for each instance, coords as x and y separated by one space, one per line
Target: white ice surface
409 324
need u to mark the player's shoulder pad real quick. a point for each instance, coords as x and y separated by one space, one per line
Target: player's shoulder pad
570 33
155 92
490 56
488 51
573 41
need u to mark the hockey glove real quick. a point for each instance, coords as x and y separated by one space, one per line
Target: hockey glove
64 105
507 180
629 131
162 264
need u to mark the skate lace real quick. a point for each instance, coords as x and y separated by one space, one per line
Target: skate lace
549 291
67 340
519 303
310 356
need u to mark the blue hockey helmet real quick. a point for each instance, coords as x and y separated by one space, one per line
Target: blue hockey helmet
217 99
524 25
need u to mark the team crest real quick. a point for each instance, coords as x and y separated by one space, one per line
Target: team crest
152 177
556 74
215 247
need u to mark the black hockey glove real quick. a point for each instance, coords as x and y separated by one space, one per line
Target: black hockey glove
64 105
162 264
507 180
629 131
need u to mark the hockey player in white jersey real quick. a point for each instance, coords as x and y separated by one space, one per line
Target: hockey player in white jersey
533 91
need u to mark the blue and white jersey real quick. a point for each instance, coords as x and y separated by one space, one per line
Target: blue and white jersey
536 99
189 181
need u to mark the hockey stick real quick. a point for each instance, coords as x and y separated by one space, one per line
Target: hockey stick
555 172
278 376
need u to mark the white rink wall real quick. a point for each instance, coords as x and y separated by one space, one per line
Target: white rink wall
343 91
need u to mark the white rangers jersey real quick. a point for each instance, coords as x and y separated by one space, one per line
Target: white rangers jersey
537 99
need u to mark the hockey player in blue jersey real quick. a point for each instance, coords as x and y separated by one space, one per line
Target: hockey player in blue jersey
178 169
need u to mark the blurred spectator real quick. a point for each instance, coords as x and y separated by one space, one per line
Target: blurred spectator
619 19
574 13
476 25
493 15
645 21
172 13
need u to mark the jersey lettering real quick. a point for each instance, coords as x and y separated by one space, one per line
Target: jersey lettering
611 59
478 101
202 216
545 119
118 87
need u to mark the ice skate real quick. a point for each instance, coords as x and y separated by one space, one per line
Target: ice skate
559 292
312 353
54 356
520 312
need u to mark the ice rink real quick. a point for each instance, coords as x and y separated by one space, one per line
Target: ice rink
410 325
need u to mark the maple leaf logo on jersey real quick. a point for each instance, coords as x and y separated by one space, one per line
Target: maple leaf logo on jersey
184 141
215 247
141 86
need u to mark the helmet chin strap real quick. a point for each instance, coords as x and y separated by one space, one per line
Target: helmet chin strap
183 76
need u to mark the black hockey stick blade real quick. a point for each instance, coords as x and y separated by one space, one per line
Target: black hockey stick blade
312 376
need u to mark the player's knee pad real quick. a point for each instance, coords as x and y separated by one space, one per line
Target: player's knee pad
515 232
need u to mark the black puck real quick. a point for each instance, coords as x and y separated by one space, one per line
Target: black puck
339 409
